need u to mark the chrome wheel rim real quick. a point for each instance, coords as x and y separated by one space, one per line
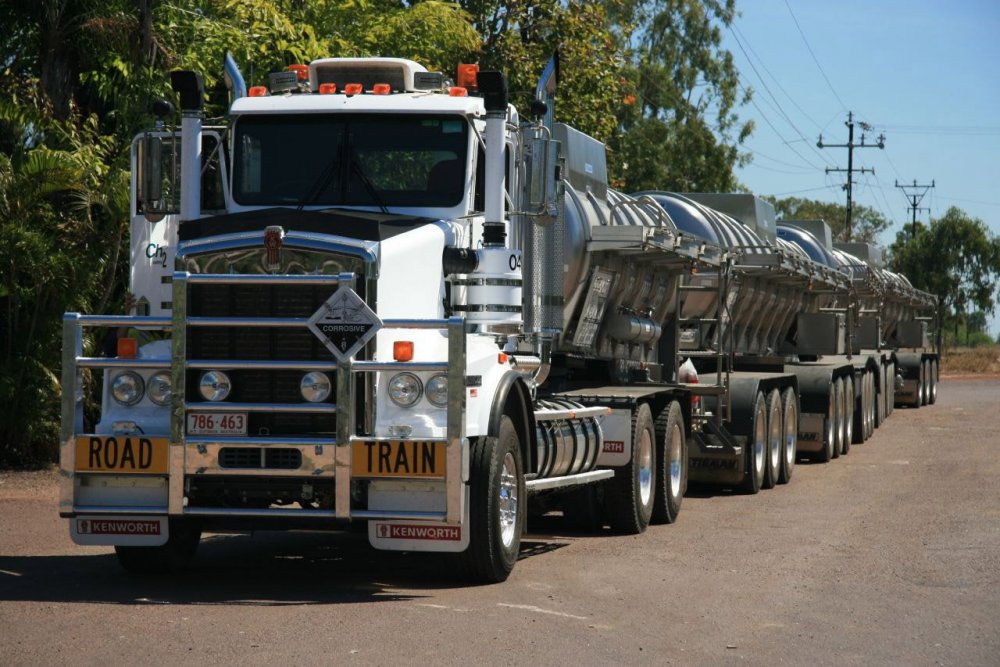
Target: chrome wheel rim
791 437
831 416
645 467
849 410
775 438
508 500
759 444
675 461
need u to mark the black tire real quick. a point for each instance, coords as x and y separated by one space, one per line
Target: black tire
849 416
837 396
932 392
790 428
880 400
921 386
826 451
497 505
171 557
775 436
671 464
892 387
845 417
858 412
631 491
756 447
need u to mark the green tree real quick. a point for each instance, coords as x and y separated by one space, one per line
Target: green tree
682 132
868 223
957 258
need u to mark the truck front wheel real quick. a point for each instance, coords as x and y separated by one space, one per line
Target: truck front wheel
497 505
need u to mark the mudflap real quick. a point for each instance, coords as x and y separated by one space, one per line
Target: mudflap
402 535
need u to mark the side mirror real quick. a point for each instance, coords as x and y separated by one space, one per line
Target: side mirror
541 163
150 178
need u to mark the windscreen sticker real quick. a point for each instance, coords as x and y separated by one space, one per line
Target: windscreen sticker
451 127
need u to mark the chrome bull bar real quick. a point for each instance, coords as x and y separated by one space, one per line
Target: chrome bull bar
204 448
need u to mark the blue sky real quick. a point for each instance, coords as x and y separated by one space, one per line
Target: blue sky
925 73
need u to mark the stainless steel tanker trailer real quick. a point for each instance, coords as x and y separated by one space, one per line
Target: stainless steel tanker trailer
374 297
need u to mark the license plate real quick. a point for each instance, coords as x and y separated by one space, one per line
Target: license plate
217 423
398 458
121 453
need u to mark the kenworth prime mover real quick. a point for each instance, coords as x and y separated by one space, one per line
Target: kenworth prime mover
377 297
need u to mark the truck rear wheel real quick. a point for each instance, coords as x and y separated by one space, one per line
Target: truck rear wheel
826 452
790 427
921 386
845 416
497 505
170 557
671 464
837 396
848 411
630 492
775 434
756 447
932 382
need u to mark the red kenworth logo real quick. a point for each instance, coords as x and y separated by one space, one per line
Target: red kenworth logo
272 243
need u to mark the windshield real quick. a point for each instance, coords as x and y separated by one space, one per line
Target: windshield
355 160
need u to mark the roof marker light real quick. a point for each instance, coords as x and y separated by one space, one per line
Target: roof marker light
458 91
258 91
327 88
353 89
381 89
301 71
402 350
466 76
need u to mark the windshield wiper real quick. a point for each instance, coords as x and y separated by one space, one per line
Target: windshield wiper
369 187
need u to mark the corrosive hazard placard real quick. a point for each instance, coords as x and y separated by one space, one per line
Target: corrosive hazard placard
344 323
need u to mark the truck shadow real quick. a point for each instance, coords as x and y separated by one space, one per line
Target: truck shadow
265 569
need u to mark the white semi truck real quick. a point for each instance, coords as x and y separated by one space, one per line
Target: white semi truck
379 297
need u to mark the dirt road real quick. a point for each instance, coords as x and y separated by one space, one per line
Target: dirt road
890 555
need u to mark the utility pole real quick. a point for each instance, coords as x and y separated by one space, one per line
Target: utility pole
850 146
914 194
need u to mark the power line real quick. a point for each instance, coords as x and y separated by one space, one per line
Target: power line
771 125
772 95
815 59
775 79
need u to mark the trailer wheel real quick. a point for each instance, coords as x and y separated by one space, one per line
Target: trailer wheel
848 411
932 395
497 505
630 492
826 452
837 396
869 405
671 464
775 434
858 412
170 557
756 447
790 427
845 417
880 400
921 383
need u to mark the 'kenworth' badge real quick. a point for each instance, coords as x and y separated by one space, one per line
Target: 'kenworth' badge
273 236
344 323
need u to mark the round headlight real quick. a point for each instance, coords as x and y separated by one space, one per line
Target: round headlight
214 386
437 390
127 388
405 389
158 388
315 387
